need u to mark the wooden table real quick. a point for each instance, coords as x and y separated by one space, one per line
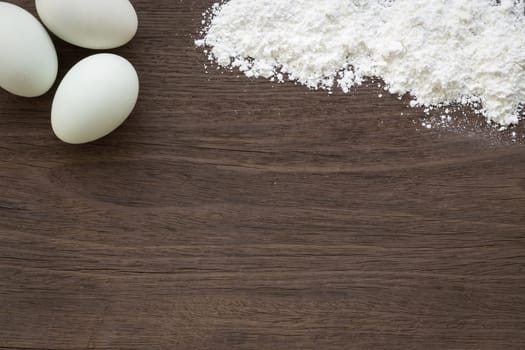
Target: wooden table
232 213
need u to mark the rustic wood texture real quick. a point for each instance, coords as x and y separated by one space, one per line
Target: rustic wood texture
229 213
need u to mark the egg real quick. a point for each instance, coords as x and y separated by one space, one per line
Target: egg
28 60
95 97
92 24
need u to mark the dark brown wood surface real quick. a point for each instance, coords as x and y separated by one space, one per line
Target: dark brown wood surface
229 213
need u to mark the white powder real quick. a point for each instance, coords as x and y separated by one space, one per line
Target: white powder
442 52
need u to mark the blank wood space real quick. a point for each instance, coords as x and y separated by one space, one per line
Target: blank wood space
232 213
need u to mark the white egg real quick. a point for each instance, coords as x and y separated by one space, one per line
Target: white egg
92 24
96 96
28 60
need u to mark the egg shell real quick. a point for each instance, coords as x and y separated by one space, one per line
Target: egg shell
95 97
28 60
92 24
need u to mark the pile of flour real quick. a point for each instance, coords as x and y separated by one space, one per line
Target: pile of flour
441 52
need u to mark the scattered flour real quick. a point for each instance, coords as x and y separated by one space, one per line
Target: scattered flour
442 52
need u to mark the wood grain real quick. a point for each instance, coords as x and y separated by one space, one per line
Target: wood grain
229 213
